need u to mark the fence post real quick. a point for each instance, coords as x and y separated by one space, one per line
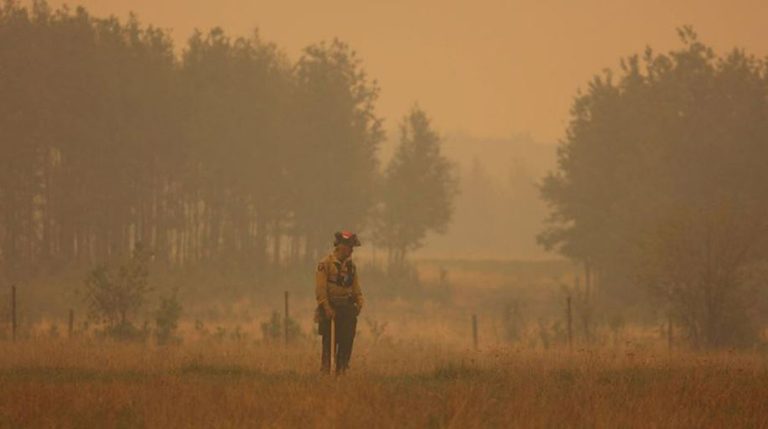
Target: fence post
670 339
474 331
570 322
71 325
13 312
287 317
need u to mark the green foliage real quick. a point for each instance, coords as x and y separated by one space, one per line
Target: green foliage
340 132
126 332
114 297
708 266
677 132
167 319
217 157
418 190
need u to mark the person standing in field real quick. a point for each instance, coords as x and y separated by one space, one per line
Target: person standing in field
339 298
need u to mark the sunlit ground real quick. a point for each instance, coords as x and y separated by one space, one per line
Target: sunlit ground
61 383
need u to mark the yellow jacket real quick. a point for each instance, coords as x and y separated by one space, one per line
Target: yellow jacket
337 281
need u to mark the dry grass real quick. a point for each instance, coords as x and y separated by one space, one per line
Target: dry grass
227 384
420 374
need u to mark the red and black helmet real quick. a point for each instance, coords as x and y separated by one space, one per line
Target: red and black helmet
346 237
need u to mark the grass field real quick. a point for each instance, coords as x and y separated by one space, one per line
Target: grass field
229 384
419 372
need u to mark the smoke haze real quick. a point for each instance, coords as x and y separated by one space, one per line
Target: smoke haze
491 68
487 73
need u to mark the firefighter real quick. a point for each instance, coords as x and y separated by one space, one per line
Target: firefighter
339 297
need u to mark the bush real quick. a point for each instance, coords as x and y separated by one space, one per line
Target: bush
706 264
125 332
114 297
167 320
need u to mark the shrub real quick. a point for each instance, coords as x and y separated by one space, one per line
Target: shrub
167 319
114 297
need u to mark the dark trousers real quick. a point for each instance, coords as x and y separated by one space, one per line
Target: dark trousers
346 325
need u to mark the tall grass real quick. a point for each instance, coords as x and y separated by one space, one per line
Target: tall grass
407 384
416 371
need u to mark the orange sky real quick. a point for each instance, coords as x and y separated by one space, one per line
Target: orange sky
490 68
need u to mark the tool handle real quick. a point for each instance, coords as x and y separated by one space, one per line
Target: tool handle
332 351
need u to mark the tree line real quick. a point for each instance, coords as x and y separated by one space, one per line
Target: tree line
661 186
227 153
